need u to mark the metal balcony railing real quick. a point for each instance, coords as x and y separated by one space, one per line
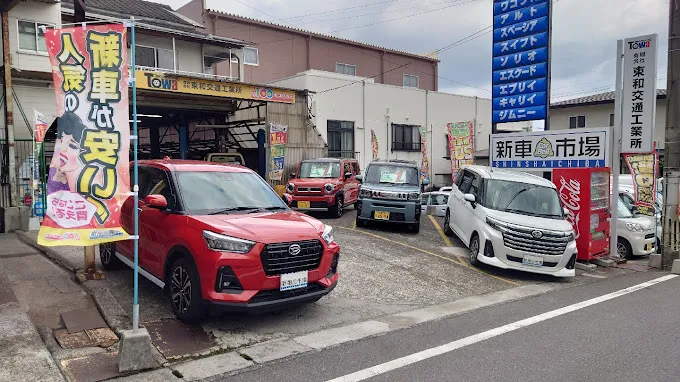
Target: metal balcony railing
343 154
187 74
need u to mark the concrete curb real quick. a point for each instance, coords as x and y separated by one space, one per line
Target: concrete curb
226 364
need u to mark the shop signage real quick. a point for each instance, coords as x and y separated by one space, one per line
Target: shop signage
188 85
374 145
574 148
425 165
643 168
461 145
639 94
40 127
88 178
521 50
278 137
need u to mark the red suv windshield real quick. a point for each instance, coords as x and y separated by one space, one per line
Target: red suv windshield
319 170
211 192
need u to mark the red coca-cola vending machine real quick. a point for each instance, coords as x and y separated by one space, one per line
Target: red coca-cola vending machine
584 192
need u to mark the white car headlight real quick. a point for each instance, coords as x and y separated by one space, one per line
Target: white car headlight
223 243
327 234
290 188
635 227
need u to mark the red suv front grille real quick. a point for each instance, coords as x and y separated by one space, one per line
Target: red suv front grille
277 258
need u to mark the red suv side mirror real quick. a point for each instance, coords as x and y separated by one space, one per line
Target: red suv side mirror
156 201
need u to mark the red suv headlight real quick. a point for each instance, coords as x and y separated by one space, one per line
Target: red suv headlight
223 243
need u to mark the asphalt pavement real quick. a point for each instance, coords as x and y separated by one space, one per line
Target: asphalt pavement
627 337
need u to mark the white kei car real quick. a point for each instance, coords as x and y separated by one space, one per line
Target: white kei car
636 236
511 220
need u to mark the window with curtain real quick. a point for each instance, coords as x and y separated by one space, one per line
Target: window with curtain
30 36
251 56
405 138
340 139
350 70
410 81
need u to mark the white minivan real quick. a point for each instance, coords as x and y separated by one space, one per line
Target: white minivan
511 220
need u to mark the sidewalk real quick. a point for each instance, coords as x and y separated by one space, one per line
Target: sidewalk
32 290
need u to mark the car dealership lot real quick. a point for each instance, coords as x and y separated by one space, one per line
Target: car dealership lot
383 270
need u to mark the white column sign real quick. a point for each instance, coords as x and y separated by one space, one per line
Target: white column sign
639 94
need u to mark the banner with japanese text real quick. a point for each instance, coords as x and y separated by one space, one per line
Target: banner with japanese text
278 136
461 145
643 168
374 145
425 166
40 126
88 178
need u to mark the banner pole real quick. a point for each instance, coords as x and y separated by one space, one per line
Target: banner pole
135 189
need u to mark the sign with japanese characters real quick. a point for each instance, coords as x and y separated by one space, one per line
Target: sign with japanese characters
639 94
40 126
188 85
374 145
521 49
461 145
643 167
278 136
425 164
575 148
88 178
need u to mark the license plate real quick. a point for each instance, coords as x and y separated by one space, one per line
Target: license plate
302 204
649 247
294 280
382 215
534 261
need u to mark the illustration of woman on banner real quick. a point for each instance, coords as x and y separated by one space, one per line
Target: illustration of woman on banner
65 166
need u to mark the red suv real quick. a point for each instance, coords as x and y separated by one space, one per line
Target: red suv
218 235
327 184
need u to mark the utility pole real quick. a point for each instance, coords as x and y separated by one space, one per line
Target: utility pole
672 140
9 149
90 266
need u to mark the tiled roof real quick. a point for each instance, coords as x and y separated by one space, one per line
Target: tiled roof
596 98
431 57
152 13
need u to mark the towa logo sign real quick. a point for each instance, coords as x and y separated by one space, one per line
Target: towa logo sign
155 82
640 44
570 196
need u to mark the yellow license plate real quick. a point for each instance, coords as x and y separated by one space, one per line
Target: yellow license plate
302 204
381 215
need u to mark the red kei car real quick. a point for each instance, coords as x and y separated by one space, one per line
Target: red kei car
218 235
325 184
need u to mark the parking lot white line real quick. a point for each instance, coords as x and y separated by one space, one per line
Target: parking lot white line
455 261
463 342
439 229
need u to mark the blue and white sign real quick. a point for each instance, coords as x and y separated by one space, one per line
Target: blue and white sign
574 148
521 39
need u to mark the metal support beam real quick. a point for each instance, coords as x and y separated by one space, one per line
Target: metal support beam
183 141
154 135
261 153
9 112
671 177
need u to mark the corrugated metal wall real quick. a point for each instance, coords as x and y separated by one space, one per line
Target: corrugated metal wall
304 142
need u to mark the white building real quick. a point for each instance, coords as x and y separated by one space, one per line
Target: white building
598 111
346 109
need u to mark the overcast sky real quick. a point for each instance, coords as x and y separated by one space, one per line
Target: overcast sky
584 34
